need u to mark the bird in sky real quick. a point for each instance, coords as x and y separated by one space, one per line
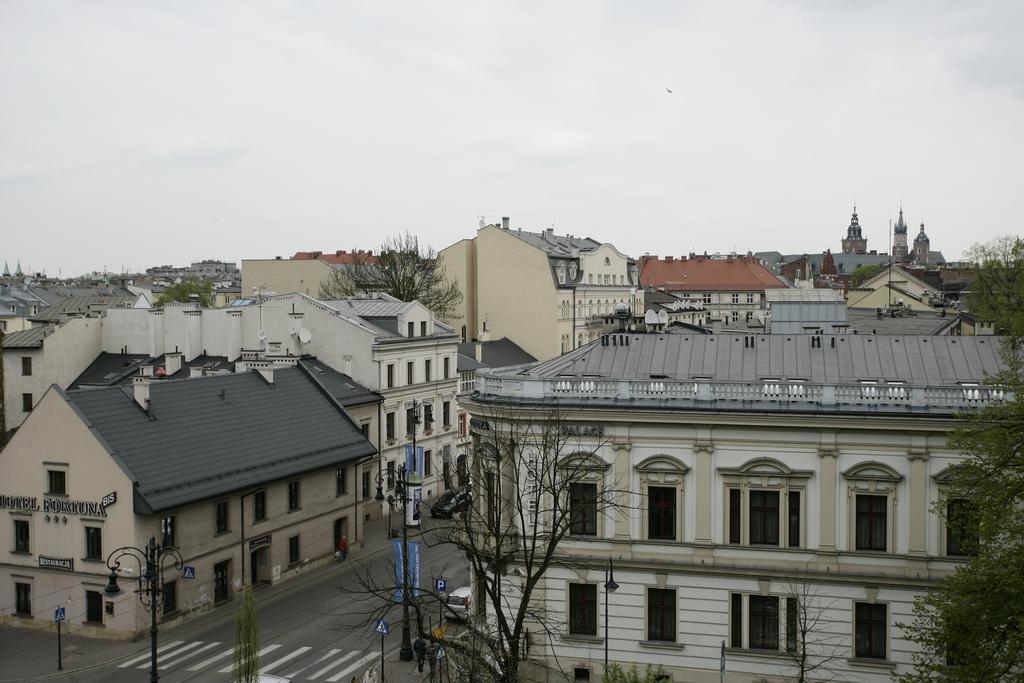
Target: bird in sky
668 90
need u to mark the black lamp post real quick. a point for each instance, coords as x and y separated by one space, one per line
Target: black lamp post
401 496
609 587
151 561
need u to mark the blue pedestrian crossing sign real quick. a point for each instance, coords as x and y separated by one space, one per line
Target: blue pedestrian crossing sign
58 615
382 627
440 585
188 572
440 654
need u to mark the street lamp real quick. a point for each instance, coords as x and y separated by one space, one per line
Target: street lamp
152 560
609 587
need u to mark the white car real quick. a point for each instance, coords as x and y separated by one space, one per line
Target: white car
458 603
269 678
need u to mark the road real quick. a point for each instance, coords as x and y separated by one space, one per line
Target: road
316 627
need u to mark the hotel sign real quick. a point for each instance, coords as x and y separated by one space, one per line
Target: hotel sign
60 506
63 563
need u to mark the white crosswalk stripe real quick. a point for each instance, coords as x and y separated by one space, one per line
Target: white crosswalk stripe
352 669
189 655
161 657
295 673
145 657
268 648
207 662
284 660
337 662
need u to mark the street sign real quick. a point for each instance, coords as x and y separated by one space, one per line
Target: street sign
382 627
58 615
440 653
188 572
441 586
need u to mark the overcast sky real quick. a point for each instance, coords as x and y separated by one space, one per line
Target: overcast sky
136 133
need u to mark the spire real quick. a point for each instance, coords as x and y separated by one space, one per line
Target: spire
7 269
18 269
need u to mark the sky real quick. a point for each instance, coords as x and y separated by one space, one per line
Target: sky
134 134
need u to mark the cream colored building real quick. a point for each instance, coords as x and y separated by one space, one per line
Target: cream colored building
284 275
747 466
252 476
548 293
898 290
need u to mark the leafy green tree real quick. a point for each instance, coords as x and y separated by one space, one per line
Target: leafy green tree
403 269
997 292
971 628
864 273
247 640
616 674
184 290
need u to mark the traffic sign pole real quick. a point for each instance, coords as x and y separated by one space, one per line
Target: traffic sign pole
60 658
382 656
441 586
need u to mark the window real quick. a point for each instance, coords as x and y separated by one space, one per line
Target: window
93 607
26 366
366 485
23 599
222 516
661 614
750 297
764 622
794 519
791 624
661 513
735 516
364 429
735 298
736 620
426 370
870 630
341 481
764 517
583 609
391 376
871 522
463 424
411 327
170 597
446 414
259 506
389 429
293 550
21 537
446 366
93 543
410 422
293 496
428 416
391 474
423 328
428 467
706 298
583 509
491 492
167 529
26 403
961 528
410 373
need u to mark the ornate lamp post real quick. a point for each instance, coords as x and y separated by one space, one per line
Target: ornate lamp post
401 496
609 587
151 562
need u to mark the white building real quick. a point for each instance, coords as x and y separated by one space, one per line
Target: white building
747 462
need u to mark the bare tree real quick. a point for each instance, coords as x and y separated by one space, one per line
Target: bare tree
537 480
812 645
403 269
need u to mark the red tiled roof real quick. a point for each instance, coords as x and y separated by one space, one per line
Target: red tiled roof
340 257
699 274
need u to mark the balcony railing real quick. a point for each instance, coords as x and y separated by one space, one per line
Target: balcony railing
790 395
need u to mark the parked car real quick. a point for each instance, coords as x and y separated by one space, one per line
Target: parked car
445 507
269 678
458 603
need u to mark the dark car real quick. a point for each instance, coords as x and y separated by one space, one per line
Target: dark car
456 500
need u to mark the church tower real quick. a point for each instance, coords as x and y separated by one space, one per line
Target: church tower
855 242
922 247
899 239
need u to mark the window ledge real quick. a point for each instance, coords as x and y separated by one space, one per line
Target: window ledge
95 560
222 533
869 662
27 553
661 644
295 509
754 652
580 638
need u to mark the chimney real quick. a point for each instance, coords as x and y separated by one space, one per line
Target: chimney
551 231
668 259
146 370
478 352
172 363
140 391
504 222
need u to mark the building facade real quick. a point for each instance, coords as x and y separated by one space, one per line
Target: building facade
754 476
252 476
548 293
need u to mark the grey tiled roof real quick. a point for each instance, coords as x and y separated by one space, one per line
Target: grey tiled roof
498 353
370 308
918 360
343 388
866 321
31 338
115 368
210 436
83 305
556 245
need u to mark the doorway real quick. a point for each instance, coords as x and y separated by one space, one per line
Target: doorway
259 569
340 530
221 572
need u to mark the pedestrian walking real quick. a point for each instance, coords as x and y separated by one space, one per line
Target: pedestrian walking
420 648
343 548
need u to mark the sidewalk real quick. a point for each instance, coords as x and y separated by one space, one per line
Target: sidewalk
29 654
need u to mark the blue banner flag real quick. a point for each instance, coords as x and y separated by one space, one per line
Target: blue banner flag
414 569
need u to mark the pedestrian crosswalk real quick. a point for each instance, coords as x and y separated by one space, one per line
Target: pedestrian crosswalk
298 664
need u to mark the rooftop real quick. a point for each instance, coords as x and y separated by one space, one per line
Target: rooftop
739 273
209 436
31 338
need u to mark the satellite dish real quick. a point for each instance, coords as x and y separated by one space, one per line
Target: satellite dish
305 336
261 335
662 317
482 223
